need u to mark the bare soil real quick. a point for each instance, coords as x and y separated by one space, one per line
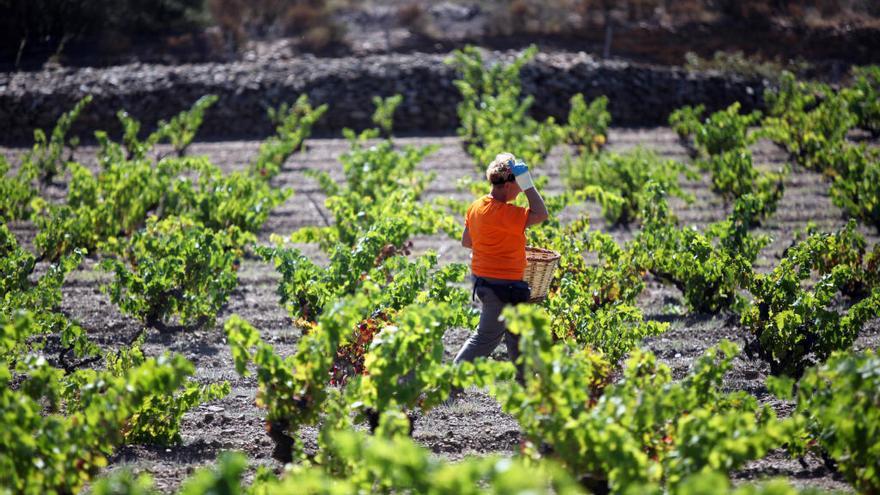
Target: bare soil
474 425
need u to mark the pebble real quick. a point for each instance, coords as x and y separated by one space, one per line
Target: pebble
215 409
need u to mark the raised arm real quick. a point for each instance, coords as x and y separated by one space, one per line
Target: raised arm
537 209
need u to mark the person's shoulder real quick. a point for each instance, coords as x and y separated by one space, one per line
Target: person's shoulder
512 208
480 202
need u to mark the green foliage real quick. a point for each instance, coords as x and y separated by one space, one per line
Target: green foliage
733 176
385 463
294 125
181 129
686 122
403 366
371 265
494 115
47 153
386 359
709 268
846 247
375 169
645 428
592 304
721 143
293 390
135 148
60 428
587 126
123 482
722 131
220 201
806 119
856 187
864 97
383 116
388 463
40 301
618 181
838 402
115 203
19 199
613 277
380 182
793 326
175 268
157 420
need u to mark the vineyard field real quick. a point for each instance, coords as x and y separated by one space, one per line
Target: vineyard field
475 424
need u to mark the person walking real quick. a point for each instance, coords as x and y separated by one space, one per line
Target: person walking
495 232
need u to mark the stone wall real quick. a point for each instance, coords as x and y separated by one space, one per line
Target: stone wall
639 95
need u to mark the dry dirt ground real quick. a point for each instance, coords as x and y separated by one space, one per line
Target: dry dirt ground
474 425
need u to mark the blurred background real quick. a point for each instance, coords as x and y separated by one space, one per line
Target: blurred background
816 38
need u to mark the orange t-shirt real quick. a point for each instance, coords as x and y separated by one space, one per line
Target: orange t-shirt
498 237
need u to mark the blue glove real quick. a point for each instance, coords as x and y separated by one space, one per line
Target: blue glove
521 174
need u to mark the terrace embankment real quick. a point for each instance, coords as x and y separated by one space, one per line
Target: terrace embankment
639 94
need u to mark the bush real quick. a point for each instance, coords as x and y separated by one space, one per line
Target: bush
618 181
856 187
219 201
381 179
838 403
19 198
685 121
708 268
494 115
157 420
175 268
41 299
73 421
370 265
725 130
592 304
645 427
864 97
47 153
734 175
102 208
793 327
807 119
293 125
587 126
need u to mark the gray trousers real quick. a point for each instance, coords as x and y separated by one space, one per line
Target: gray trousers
490 331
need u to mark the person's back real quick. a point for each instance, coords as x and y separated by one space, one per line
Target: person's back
495 230
498 237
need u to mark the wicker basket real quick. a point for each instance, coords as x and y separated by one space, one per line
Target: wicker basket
540 266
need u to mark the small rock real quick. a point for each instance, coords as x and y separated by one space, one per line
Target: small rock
215 409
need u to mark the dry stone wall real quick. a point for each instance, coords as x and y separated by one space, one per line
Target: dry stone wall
639 95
